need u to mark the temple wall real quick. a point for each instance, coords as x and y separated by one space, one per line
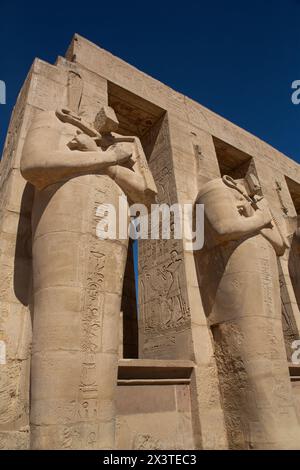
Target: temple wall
186 146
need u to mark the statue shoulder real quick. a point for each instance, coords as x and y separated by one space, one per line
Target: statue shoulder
45 119
44 132
213 188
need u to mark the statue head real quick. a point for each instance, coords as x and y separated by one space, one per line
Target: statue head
237 184
248 186
253 184
174 255
106 120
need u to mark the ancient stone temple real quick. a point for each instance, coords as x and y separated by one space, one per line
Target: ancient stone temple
201 355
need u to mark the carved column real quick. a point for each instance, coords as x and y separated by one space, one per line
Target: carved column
77 299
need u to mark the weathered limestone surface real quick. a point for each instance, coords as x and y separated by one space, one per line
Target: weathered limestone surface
240 285
209 352
77 277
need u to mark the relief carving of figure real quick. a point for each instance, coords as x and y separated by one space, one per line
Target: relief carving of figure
166 307
174 295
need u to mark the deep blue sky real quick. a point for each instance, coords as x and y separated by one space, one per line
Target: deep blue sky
238 58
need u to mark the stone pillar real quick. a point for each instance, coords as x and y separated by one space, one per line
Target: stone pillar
44 89
164 326
195 162
16 198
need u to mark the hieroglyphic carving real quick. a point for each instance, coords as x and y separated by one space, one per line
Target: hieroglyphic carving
290 331
279 194
91 320
69 436
146 442
264 270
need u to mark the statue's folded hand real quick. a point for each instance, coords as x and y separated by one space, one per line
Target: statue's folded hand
122 156
264 214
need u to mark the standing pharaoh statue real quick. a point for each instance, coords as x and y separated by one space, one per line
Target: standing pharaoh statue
77 277
241 297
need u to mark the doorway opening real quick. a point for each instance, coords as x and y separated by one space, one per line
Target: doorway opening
232 161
